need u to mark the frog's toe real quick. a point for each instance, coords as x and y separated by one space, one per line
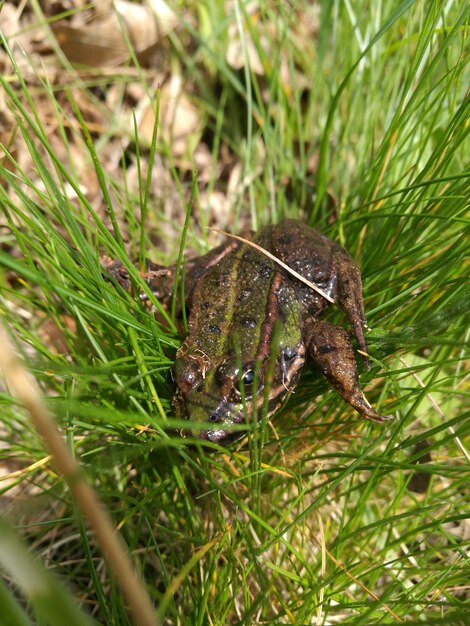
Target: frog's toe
384 418
362 406
376 417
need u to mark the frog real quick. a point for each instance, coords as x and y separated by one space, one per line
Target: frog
252 325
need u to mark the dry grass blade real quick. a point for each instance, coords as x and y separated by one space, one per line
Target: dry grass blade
435 406
25 388
343 568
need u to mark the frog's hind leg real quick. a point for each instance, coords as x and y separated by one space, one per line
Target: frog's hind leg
349 294
332 352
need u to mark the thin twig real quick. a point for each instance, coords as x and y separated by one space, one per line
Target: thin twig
321 593
436 407
356 580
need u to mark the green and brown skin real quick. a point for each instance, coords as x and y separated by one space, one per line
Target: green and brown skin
238 301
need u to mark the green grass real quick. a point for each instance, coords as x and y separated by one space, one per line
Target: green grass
312 521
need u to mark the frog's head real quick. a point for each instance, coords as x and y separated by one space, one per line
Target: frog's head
219 392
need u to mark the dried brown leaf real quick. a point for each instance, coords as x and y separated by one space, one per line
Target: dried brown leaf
101 42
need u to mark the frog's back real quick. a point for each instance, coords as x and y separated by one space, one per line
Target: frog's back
237 303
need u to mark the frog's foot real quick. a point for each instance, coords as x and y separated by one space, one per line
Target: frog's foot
117 271
332 352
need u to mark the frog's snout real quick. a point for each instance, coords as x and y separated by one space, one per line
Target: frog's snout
215 436
212 424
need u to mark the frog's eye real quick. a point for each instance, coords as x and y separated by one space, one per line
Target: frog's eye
246 380
248 377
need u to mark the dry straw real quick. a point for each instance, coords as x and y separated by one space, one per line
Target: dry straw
25 388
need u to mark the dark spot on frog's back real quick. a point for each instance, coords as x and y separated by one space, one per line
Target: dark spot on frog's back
213 328
265 270
248 322
286 239
325 349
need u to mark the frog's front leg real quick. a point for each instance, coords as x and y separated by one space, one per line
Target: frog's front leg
161 279
331 350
